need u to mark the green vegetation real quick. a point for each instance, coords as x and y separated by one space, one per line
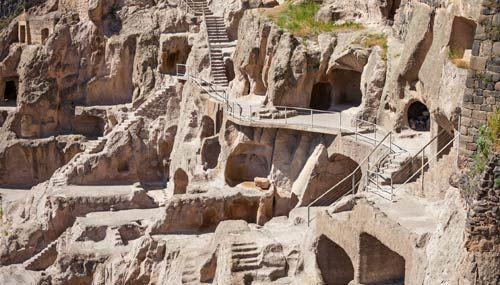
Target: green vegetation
300 20
488 143
457 59
371 40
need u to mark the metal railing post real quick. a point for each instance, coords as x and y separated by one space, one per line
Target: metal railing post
353 183
340 123
308 216
458 138
356 131
422 171
312 119
286 116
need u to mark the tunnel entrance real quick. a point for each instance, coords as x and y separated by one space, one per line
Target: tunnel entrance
334 263
321 97
346 88
419 118
10 92
378 263
45 35
22 34
462 36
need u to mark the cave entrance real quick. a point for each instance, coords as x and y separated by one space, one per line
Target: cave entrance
22 34
10 92
346 88
45 35
207 127
378 263
248 161
462 36
334 263
419 118
181 181
321 96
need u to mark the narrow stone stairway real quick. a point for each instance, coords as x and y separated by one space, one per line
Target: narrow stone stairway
245 256
151 108
190 272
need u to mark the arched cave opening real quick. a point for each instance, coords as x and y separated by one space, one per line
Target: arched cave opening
334 263
210 150
346 88
207 127
10 92
461 37
378 263
181 181
45 35
321 96
419 118
329 175
248 161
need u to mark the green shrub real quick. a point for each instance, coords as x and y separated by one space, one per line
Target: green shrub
300 20
487 142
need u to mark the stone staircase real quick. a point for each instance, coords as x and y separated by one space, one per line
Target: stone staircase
44 258
151 108
245 256
157 105
391 166
116 237
217 38
190 273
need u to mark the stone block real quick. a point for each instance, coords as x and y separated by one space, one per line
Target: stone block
479 115
478 63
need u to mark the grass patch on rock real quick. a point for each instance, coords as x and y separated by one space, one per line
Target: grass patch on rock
300 20
458 60
371 40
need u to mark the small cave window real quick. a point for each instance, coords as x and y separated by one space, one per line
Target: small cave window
321 97
462 37
419 118
10 93
45 35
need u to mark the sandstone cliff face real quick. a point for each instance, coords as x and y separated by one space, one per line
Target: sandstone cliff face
100 108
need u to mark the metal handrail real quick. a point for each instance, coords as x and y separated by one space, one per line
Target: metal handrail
427 144
352 174
422 168
185 4
222 97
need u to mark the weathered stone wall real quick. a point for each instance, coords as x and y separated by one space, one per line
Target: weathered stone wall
483 239
78 6
482 95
